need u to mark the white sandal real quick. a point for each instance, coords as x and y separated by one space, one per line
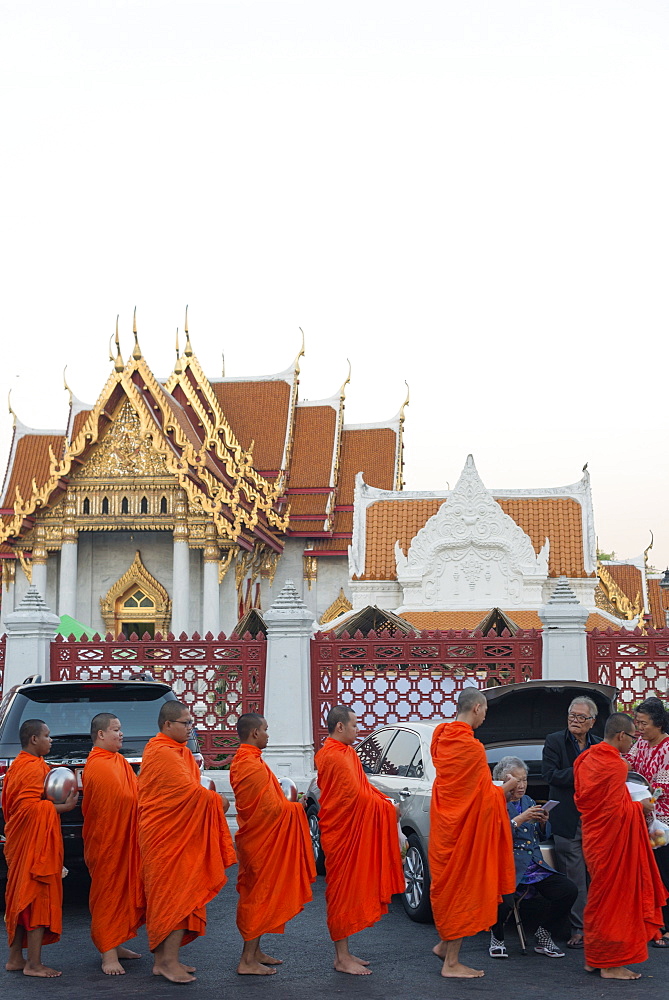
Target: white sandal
497 948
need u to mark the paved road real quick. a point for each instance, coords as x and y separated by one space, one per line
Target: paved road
399 950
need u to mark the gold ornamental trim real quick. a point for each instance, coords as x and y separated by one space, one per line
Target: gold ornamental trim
137 577
339 606
619 602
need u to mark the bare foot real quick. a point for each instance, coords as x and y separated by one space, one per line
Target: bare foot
619 972
40 971
187 968
15 964
254 969
440 950
112 967
268 960
352 966
360 961
126 953
175 972
575 941
460 971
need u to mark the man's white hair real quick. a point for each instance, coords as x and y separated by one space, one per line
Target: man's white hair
584 700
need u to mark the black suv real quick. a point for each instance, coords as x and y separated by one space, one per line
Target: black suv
68 707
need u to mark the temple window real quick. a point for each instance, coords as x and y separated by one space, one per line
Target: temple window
124 505
163 505
86 509
144 506
105 505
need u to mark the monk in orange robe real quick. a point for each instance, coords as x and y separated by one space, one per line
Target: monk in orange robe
471 848
359 838
111 847
276 859
34 853
626 894
184 842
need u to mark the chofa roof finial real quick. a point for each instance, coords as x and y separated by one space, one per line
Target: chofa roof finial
136 351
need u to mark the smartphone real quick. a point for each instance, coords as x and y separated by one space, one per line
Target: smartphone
550 804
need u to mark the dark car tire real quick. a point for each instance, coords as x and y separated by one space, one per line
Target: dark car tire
315 831
416 897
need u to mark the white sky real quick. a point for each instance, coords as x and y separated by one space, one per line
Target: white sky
468 195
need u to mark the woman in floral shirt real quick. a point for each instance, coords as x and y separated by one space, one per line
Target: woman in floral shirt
650 757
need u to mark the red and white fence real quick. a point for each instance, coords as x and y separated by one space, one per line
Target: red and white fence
634 662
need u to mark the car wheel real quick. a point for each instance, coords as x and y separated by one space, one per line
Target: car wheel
416 897
315 831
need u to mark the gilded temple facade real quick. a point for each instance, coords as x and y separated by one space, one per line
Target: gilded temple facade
178 504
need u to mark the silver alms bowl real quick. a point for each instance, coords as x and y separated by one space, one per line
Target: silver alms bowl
207 783
58 784
289 789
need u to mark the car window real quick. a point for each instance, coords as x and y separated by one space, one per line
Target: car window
371 750
403 757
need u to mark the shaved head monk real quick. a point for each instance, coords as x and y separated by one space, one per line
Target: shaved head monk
623 912
184 842
359 838
111 847
470 848
276 859
34 853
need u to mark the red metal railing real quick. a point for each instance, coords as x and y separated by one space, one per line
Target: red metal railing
219 679
634 662
412 678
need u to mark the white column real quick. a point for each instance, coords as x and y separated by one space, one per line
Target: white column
290 752
8 576
30 631
211 600
565 653
67 582
180 568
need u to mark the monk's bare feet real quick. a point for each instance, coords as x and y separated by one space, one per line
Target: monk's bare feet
175 972
360 961
351 965
15 964
460 971
440 950
267 959
40 971
254 969
187 968
126 953
620 972
112 967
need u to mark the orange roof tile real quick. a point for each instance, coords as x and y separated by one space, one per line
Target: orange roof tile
31 459
313 446
628 578
370 451
458 620
558 518
258 411
658 599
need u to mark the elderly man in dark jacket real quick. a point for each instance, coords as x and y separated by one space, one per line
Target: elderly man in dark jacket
560 751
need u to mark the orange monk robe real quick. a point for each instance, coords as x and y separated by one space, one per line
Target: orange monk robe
34 851
111 849
184 841
276 859
471 848
359 838
626 894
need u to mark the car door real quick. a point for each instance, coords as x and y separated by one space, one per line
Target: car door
401 776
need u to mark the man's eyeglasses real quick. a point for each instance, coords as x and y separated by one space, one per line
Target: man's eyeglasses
632 738
188 723
575 717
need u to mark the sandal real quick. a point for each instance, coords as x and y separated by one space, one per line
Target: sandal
575 944
662 942
497 949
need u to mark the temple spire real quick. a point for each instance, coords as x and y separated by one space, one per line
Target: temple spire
136 351
118 363
188 350
178 367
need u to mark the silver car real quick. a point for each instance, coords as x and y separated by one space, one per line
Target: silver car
397 761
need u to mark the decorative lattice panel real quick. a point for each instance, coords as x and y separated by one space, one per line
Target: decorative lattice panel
219 679
637 663
412 678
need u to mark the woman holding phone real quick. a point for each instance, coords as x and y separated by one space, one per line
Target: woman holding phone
533 876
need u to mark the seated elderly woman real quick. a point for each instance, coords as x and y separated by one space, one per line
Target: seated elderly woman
533 875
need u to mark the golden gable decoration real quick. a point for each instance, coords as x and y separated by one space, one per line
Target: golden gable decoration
339 606
136 597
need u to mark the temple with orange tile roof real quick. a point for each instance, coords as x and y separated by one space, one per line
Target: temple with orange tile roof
442 560
178 504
